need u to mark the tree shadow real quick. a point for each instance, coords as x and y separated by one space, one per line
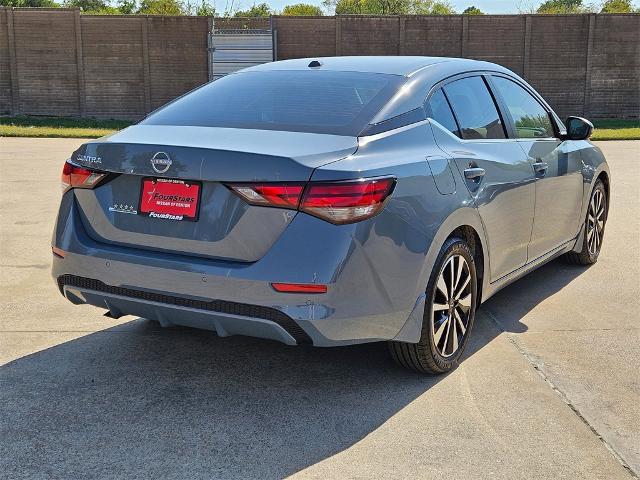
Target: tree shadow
139 400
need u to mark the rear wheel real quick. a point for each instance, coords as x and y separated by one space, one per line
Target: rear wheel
448 315
594 224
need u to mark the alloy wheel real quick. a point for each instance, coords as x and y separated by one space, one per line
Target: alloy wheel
595 222
451 306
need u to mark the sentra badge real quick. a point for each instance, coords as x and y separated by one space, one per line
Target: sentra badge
89 159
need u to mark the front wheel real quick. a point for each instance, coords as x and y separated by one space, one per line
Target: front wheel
448 315
594 224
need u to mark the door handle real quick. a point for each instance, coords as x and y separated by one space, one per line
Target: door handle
474 173
540 167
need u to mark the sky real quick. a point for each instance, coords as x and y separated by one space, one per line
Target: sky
487 6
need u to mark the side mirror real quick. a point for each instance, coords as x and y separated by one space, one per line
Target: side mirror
578 128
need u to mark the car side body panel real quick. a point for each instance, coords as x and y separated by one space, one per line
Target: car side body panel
559 192
504 197
430 215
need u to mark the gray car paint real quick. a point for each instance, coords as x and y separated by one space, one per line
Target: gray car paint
557 167
228 227
505 197
558 201
376 269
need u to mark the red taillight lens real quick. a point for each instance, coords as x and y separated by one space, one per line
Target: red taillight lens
286 195
347 202
299 288
74 176
336 202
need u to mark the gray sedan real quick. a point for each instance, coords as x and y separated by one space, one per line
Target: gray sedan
332 201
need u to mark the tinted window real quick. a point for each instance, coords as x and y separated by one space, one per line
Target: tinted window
441 112
340 103
531 119
474 108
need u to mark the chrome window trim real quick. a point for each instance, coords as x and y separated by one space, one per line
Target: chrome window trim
473 140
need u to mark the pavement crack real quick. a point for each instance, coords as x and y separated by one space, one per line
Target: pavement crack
538 367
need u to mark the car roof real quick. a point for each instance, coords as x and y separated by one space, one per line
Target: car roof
391 65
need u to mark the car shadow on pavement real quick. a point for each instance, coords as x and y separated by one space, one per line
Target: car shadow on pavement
139 400
510 305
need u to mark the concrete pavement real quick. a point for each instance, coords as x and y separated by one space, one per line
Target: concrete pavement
549 387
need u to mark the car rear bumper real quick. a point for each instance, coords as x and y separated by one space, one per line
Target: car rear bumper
373 282
225 318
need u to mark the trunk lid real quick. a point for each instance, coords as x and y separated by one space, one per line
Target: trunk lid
226 227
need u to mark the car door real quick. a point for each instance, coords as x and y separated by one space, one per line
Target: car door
557 165
494 168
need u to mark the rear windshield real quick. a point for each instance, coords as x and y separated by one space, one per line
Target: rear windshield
339 103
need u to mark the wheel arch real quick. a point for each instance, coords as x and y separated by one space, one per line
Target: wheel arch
600 173
466 224
594 168
472 238
604 176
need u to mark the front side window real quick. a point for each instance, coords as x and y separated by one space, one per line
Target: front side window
474 108
339 103
530 118
441 112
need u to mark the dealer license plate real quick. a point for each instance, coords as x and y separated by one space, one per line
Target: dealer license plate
170 199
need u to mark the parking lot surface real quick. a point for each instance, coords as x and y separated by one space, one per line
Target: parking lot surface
550 386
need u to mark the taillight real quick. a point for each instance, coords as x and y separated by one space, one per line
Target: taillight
285 195
336 202
74 176
347 202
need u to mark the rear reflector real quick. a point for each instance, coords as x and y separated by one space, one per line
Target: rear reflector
74 176
299 288
336 202
58 252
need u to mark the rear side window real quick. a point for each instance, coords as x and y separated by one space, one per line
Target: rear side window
475 109
339 103
530 118
441 112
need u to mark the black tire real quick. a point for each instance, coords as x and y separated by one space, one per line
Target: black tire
587 255
426 356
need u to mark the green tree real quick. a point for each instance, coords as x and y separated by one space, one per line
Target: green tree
473 10
88 6
618 6
29 3
261 10
342 7
127 7
436 8
390 7
301 10
563 6
161 7
206 9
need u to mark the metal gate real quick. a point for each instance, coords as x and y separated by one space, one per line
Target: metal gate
232 50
